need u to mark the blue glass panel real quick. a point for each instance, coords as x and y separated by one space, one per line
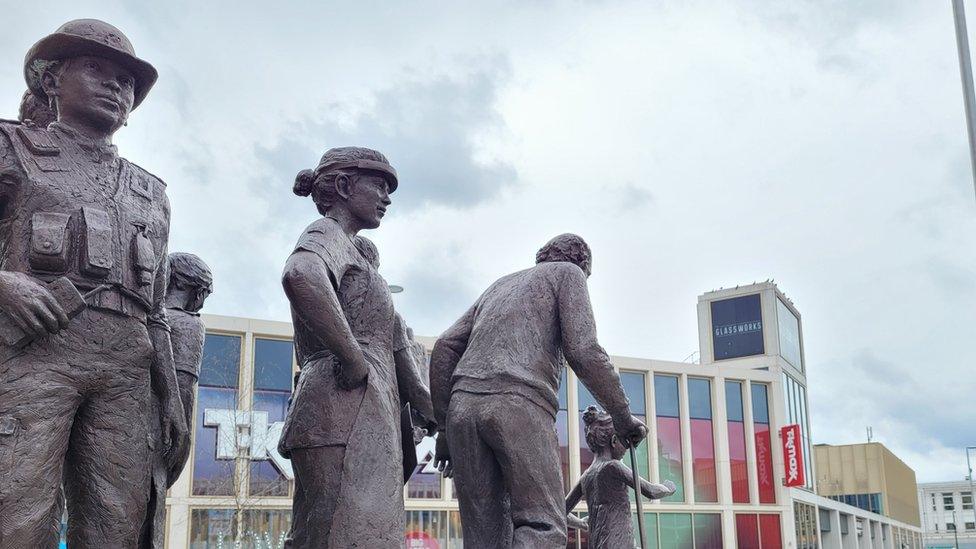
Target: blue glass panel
585 398
563 388
760 404
221 361
272 364
733 400
634 389
666 396
699 398
737 328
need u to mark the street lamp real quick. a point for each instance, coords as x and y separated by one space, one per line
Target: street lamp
394 289
972 493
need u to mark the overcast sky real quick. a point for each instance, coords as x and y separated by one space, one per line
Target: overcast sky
695 146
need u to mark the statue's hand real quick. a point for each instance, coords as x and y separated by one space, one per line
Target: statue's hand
442 456
630 429
176 435
670 486
30 305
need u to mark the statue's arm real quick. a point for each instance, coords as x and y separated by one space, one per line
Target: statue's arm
28 303
162 372
580 346
309 287
444 358
411 387
649 490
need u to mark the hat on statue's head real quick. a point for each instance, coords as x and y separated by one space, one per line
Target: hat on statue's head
88 37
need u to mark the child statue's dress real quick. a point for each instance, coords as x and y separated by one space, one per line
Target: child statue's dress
607 494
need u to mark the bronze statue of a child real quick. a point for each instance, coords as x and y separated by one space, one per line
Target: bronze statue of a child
604 486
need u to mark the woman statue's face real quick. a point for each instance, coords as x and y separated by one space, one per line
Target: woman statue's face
368 199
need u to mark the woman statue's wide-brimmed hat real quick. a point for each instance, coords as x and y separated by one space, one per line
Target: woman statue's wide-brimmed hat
88 37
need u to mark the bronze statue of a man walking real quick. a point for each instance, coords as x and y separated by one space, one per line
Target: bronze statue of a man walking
494 377
75 387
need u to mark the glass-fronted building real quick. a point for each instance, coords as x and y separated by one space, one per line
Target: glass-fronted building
714 431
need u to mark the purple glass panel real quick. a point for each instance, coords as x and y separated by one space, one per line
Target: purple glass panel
212 477
266 480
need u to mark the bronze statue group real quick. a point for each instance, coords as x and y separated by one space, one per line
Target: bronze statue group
96 398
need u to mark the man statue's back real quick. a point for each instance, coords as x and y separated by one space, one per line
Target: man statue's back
494 380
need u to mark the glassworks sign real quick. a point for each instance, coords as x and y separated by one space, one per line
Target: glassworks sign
737 327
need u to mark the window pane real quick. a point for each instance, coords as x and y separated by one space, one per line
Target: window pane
265 527
650 529
764 444
212 477
642 461
585 400
708 531
266 480
426 529
425 485
669 434
702 440
769 533
563 398
760 403
737 442
633 384
666 396
562 427
221 361
733 400
746 531
211 528
789 334
562 435
272 364
675 531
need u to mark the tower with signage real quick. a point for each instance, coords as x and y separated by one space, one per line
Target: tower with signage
758 327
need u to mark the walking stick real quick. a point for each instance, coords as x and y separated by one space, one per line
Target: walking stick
637 494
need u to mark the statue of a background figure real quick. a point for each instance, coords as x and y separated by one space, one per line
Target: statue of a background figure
342 431
190 283
74 384
605 486
494 378
422 412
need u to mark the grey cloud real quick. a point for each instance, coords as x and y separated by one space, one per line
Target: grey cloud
427 128
631 197
906 397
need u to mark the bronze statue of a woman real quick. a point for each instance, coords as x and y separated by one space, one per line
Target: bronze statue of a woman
342 432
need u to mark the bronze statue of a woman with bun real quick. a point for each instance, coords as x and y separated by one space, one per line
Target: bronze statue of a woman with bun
342 432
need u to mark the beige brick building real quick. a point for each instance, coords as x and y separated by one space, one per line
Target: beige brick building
870 477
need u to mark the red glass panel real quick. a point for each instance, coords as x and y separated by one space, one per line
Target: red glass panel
769 532
764 464
746 531
703 460
669 454
737 460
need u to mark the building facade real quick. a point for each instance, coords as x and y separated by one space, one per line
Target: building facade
870 477
947 513
714 431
